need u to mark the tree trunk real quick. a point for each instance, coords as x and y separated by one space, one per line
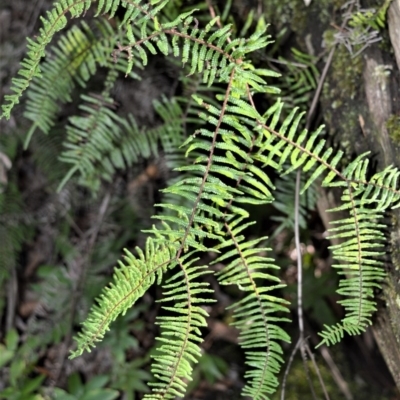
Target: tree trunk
383 99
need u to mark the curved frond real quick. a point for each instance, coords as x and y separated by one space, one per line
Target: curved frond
131 280
361 243
54 21
100 142
258 314
72 62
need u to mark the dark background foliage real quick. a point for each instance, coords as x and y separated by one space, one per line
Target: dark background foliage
57 250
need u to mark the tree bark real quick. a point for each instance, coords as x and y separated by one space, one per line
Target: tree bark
383 100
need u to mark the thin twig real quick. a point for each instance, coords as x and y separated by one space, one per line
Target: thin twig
300 281
317 370
299 260
289 364
337 376
212 14
317 93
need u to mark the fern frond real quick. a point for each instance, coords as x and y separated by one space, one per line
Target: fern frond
299 79
100 142
55 21
255 315
89 138
376 19
75 58
180 334
207 53
360 251
131 280
303 151
225 170
334 334
365 201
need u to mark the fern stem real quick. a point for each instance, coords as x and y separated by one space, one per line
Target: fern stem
360 263
209 164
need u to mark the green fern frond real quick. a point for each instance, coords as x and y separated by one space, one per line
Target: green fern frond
365 201
303 151
54 22
180 334
361 264
334 334
360 251
299 79
100 142
75 58
190 222
131 280
89 137
376 19
207 53
202 53
255 315
382 189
